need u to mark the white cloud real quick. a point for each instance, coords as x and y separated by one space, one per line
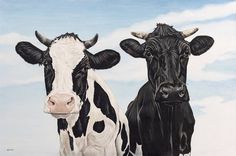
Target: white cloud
223 31
13 38
14 70
209 12
215 129
21 73
224 34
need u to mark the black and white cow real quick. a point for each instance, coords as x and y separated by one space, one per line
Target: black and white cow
90 123
160 117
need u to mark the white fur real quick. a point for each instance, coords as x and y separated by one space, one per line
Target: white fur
189 154
66 53
138 151
96 144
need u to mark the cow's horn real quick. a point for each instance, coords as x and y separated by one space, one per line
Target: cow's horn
90 43
141 35
47 42
188 32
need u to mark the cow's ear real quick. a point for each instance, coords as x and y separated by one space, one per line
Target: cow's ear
201 44
29 52
104 59
132 47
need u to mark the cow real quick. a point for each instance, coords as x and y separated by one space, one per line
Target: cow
89 120
160 117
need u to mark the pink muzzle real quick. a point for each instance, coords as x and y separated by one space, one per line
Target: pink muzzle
60 103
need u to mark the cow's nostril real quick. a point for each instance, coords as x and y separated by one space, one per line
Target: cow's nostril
71 101
61 103
51 102
181 93
164 93
183 142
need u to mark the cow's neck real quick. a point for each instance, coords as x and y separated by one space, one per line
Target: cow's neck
85 89
74 128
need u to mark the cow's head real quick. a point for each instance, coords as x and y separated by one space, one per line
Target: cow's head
66 62
167 54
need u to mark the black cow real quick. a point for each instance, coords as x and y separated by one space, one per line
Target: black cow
160 117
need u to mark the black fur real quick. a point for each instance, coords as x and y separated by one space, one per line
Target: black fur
29 53
79 77
104 59
71 142
101 100
61 125
80 126
124 137
119 128
164 30
49 72
132 47
158 121
66 35
201 44
126 151
99 126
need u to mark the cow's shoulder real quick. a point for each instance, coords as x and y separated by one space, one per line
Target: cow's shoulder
146 92
102 100
145 95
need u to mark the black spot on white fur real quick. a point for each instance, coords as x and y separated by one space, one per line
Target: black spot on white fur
101 100
102 60
79 77
124 137
81 124
126 151
119 128
99 126
71 141
61 125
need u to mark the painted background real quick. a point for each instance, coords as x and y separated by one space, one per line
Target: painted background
24 128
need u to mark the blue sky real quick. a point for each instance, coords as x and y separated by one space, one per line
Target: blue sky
83 16
211 77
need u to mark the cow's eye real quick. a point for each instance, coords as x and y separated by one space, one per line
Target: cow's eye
148 54
185 54
45 63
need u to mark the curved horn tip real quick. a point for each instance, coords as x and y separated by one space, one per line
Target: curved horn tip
36 33
141 35
194 30
42 39
133 33
96 37
91 42
189 32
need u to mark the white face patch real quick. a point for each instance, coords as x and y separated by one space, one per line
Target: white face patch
66 53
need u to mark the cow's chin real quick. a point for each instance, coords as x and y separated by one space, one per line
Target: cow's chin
62 115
